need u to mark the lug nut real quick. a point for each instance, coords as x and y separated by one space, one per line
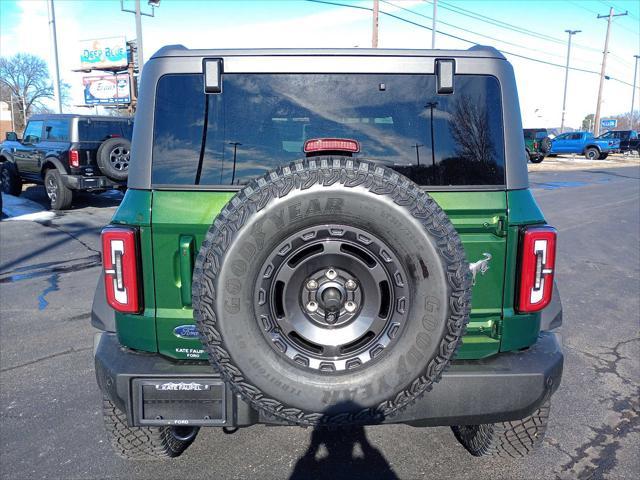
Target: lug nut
312 307
312 285
331 274
350 284
350 307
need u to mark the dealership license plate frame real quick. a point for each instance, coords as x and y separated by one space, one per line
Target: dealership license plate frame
173 393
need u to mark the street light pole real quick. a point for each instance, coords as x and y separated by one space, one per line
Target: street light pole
54 37
139 36
566 77
139 13
433 24
633 92
374 35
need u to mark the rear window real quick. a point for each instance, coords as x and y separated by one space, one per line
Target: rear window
261 121
99 130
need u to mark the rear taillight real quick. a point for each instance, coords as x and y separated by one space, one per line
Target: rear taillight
120 261
325 145
537 264
535 145
74 158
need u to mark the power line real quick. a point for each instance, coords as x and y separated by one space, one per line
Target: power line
470 31
327 2
509 26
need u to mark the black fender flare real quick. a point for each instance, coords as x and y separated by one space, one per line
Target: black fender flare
52 162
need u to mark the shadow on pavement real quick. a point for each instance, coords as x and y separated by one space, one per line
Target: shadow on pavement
342 453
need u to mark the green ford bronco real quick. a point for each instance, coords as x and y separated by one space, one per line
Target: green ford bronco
327 238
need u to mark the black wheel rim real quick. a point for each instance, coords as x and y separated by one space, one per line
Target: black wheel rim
331 298
119 158
52 188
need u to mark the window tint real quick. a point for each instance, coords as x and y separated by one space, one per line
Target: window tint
574 136
541 134
90 130
33 132
261 121
56 130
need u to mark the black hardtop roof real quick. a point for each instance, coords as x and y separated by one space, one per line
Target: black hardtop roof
54 116
477 51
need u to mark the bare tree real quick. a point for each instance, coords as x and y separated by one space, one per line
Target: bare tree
25 84
470 129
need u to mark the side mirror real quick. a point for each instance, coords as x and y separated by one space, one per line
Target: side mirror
11 136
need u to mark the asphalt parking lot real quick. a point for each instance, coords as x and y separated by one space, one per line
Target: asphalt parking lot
50 417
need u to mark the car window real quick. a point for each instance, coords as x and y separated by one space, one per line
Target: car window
90 130
261 121
562 136
634 134
529 134
33 132
574 136
56 130
541 134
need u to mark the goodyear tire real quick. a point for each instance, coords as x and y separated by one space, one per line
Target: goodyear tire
331 291
513 439
144 443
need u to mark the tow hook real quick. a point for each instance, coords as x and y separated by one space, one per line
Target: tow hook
480 266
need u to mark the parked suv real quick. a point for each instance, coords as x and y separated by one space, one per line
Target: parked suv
537 143
67 153
327 238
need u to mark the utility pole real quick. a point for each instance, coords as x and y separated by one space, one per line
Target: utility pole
139 37
596 120
433 24
417 147
633 92
566 78
54 39
374 37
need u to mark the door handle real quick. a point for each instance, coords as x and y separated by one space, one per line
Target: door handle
186 267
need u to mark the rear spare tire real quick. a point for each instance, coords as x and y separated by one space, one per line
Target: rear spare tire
331 291
113 158
545 145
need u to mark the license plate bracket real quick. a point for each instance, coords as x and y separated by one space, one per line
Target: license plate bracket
170 401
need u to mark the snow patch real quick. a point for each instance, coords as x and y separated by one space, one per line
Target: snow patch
17 208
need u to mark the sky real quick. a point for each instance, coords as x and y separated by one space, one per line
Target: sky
296 23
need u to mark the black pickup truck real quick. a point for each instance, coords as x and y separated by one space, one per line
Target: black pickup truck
629 141
67 153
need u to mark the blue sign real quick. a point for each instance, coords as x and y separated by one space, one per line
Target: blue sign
608 123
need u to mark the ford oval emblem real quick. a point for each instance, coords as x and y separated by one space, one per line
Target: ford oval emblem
186 331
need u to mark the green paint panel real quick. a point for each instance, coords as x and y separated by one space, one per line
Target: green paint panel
523 208
139 331
479 217
179 218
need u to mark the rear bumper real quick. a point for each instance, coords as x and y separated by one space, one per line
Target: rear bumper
506 387
79 182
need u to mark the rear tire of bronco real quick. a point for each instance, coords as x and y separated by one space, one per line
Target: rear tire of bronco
545 145
10 179
506 439
591 153
140 443
537 158
331 291
59 194
113 158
